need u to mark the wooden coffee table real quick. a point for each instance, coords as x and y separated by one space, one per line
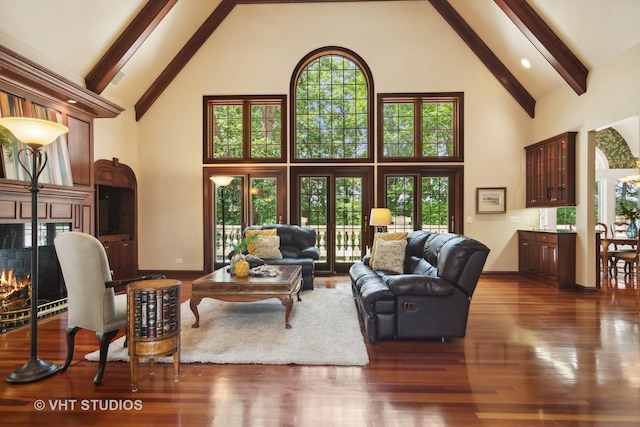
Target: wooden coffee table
223 286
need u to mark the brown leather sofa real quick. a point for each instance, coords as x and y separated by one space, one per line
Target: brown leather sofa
430 299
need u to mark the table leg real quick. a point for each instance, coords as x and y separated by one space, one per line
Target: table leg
176 365
134 373
287 301
193 303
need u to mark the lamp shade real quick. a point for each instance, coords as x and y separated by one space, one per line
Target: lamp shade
222 181
33 132
380 217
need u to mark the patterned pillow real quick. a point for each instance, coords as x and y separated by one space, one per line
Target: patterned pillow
251 247
268 247
385 236
390 255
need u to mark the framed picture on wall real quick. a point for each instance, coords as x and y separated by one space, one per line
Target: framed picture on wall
491 200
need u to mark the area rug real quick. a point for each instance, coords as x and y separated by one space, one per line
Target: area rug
325 331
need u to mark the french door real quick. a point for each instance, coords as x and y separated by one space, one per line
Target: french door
255 196
427 199
336 203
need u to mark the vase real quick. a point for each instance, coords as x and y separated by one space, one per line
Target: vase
632 229
234 260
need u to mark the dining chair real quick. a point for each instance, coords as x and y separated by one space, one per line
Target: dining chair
604 233
92 301
631 261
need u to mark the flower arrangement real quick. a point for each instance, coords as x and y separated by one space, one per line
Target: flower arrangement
631 213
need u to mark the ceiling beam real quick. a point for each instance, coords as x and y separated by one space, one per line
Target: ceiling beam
488 58
127 43
182 58
547 42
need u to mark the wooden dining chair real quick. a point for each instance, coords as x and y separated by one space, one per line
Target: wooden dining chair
631 261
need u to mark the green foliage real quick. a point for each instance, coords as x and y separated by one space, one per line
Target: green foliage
242 246
331 110
6 141
566 216
629 209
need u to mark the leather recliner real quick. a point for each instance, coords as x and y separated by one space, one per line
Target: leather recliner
431 298
298 247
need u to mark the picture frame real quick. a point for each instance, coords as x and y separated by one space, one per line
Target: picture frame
491 200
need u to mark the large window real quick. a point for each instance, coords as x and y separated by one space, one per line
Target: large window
420 126
244 128
331 101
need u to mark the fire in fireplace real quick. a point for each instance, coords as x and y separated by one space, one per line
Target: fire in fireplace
14 295
15 281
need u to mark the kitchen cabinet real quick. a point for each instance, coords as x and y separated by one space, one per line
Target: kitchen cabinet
548 257
550 172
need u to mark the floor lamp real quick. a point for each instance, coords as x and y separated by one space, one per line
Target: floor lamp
222 182
34 133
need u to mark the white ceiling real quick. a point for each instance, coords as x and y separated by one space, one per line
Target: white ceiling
70 36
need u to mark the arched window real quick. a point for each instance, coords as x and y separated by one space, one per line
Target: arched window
331 103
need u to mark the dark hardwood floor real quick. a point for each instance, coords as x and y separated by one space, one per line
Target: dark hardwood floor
533 355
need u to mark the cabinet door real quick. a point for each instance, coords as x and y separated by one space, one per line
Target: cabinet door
114 255
551 173
527 257
127 249
551 262
531 177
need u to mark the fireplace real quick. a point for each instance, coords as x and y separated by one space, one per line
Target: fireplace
15 267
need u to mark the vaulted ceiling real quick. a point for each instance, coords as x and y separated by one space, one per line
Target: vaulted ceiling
135 48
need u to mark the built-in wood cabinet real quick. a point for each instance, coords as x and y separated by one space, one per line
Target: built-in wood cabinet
548 257
551 172
32 88
116 217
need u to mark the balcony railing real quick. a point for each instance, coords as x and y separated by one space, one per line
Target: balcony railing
347 245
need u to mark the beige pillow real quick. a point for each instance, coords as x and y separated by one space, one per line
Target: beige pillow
385 236
268 247
251 247
390 255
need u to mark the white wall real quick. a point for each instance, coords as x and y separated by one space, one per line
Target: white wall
613 94
255 51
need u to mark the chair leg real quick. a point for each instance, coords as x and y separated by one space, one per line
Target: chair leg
71 337
104 339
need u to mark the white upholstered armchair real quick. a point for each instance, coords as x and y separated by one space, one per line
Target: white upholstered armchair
92 302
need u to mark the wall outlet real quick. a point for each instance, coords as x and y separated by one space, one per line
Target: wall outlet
178 260
513 219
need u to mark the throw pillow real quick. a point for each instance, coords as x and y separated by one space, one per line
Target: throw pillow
390 255
268 247
251 247
385 236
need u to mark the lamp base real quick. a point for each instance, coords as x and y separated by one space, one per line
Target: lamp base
35 369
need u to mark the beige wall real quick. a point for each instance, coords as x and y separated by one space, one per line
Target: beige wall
255 51
613 94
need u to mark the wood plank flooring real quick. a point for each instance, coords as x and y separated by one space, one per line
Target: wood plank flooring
533 355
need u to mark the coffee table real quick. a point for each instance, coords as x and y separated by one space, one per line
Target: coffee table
221 285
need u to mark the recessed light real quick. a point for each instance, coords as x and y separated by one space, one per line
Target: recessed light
72 101
525 63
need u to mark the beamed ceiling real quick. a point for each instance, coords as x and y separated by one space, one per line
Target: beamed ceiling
120 34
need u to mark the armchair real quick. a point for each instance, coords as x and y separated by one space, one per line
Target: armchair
92 302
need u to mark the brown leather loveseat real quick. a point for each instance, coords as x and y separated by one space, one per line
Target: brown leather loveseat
430 299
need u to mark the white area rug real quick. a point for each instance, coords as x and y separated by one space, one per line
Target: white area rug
325 331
